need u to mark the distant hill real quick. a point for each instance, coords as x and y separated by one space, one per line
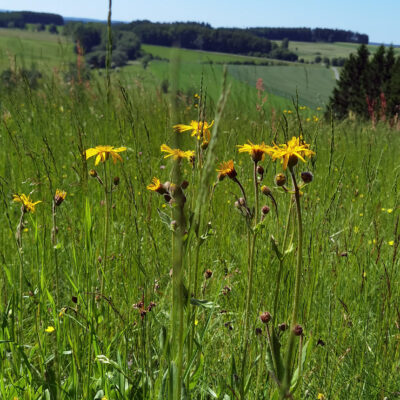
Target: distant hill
18 19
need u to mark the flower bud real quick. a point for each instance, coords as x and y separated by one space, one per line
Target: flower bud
280 179
307 176
208 273
265 210
265 190
184 185
116 180
260 170
265 317
298 330
93 173
293 160
242 201
282 327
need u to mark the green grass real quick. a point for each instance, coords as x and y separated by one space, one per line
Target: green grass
101 345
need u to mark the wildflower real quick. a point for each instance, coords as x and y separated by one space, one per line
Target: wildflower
104 152
177 154
199 129
256 151
290 152
298 330
265 317
26 201
49 329
59 197
226 169
156 186
320 396
389 210
391 242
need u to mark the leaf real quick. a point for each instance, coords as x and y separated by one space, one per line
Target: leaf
165 218
305 354
197 373
275 248
203 303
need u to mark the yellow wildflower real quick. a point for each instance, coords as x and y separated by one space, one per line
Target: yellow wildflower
226 169
156 186
320 396
199 129
104 152
391 242
177 154
26 201
256 151
295 149
49 329
389 210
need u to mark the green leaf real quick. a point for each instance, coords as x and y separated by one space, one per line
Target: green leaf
203 303
305 354
165 218
194 379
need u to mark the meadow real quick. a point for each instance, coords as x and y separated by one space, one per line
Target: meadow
121 288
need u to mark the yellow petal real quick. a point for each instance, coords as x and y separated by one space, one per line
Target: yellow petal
91 152
98 158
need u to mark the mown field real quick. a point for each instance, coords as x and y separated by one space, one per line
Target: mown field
119 292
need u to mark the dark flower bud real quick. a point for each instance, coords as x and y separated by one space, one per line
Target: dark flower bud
184 184
298 330
258 331
265 190
265 210
260 170
282 327
293 160
93 173
167 198
307 176
208 273
99 259
116 180
265 317
280 179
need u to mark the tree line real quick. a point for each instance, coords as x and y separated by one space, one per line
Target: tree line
369 86
310 35
200 36
19 19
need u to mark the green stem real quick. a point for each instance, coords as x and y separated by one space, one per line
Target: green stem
251 249
106 224
278 279
296 297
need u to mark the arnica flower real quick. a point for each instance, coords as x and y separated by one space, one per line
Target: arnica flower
26 201
156 186
256 151
226 169
49 329
199 129
177 154
59 197
291 152
104 152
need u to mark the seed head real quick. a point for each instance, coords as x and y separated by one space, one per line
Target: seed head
280 179
265 317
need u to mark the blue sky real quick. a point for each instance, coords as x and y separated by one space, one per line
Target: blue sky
378 19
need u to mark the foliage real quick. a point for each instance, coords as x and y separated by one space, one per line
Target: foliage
368 86
19 19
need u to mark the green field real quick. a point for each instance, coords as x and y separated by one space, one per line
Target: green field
121 292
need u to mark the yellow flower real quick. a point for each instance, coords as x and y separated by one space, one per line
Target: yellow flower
59 197
29 206
295 149
226 169
49 329
320 396
389 210
256 151
391 242
199 129
177 154
156 186
104 152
